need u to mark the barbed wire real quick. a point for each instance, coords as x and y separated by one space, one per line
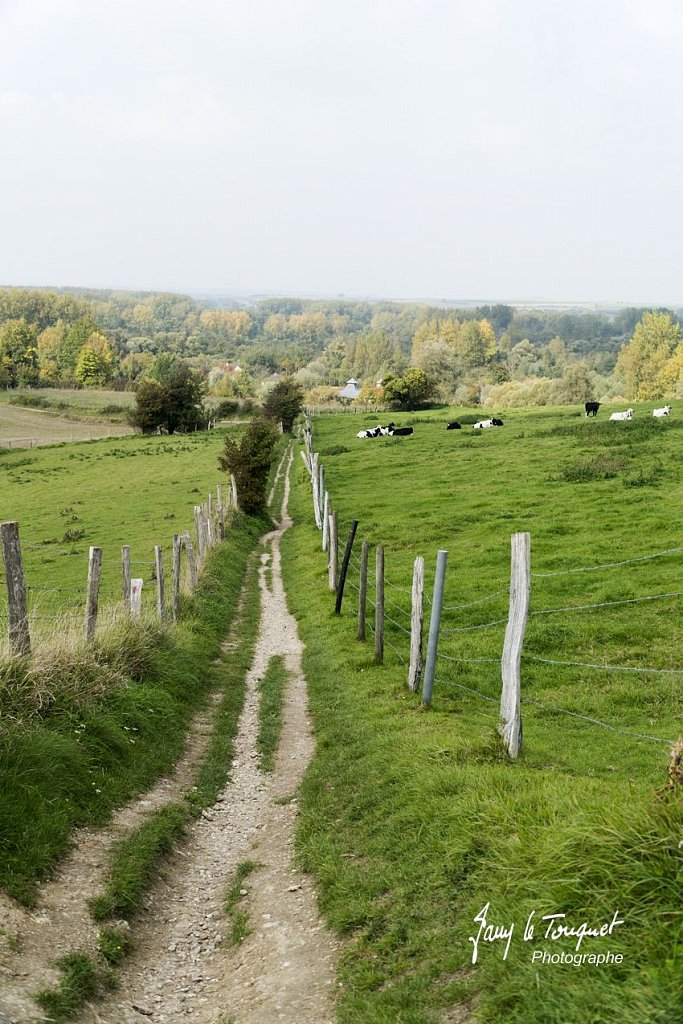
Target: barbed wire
468 689
469 629
607 565
480 600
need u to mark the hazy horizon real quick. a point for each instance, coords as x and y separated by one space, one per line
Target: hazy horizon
402 149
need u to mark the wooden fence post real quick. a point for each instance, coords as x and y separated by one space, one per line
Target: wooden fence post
125 572
326 521
159 562
434 625
315 482
510 727
362 589
177 552
199 533
233 492
94 573
345 566
321 484
416 622
136 598
191 559
379 604
333 567
17 607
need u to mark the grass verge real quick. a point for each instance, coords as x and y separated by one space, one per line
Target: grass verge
412 822
271 689
82 979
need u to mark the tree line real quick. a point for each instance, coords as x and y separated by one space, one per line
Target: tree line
490 353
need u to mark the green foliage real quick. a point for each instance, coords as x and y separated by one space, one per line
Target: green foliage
114 944
82 979
412 391
239 919
284 403
169 399
642 364
250 460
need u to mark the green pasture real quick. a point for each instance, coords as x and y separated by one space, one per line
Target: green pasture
131 490
411 820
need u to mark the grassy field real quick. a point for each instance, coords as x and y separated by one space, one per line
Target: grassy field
133 490
413 821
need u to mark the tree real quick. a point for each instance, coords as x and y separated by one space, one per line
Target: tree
249 460
643 361
169 399
284 403
574 387
410 391
95 364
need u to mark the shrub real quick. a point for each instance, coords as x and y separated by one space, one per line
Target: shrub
250 460
284 403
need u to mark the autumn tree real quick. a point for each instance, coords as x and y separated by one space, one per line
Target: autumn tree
95 365
644 364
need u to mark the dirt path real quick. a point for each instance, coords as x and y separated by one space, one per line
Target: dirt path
284 970
31 940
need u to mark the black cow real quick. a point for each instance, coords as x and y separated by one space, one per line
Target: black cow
592 408
453 426
401 431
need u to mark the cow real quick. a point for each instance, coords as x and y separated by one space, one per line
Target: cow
375 432
483 424
453 426
385 431
664 411
592 408
628 415
401 431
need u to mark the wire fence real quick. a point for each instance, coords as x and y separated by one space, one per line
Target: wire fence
457 644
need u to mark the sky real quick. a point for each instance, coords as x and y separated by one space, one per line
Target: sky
488 150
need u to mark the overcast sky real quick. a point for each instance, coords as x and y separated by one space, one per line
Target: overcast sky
488 149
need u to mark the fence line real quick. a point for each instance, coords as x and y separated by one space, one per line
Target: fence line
210 530
518 591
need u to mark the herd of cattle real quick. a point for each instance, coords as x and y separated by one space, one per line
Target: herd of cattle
391 430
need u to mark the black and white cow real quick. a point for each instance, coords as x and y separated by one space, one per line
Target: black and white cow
628 415
375 432
592 408
453 426
664 411
401 431
484 424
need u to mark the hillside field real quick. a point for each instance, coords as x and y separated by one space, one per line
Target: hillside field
412 820
130 490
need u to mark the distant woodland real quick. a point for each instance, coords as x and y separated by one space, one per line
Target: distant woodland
489 354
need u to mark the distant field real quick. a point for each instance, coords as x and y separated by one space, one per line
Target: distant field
133 490
53 415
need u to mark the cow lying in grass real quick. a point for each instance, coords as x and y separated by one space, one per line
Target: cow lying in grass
628 415
664 411
391 430
483 424
453 426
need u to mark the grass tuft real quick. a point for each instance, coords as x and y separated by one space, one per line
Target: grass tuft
271 690
82 979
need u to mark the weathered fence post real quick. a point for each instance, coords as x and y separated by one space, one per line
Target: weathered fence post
510 727
136 598
191 560
19 634
362 589
159 562
345 566
379 604
94 573
326 521
333 567
177 551
315 483
199 533
321 484
416 622
434 624
233 491
125 572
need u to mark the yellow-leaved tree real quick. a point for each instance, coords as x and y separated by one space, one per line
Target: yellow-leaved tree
649 365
